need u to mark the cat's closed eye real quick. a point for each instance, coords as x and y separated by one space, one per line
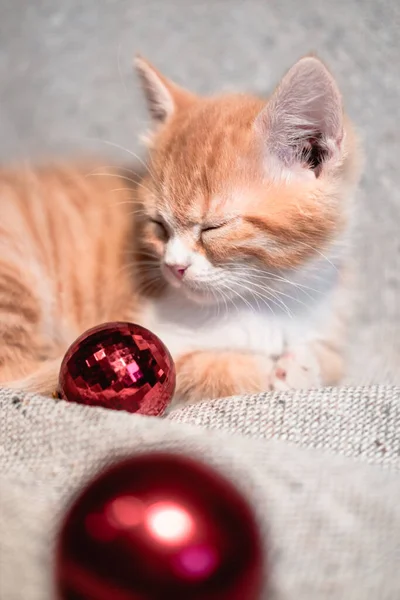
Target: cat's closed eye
206 228
161 229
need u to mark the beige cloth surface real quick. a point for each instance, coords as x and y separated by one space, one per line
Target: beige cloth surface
362 422
330 523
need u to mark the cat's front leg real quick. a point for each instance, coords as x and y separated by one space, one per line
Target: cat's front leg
204 375
308 366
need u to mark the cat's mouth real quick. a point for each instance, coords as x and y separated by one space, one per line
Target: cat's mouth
197 291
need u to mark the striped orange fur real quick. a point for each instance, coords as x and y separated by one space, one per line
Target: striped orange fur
65 242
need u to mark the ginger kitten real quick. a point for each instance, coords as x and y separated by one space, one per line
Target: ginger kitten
233 247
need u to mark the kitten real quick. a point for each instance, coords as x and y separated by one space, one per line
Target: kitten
237 236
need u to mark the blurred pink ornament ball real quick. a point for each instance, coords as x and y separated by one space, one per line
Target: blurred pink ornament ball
159 527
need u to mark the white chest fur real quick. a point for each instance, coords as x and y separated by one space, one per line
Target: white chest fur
253 326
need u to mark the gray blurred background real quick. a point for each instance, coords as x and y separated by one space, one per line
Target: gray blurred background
67 88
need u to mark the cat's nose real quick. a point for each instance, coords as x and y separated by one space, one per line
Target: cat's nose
177 270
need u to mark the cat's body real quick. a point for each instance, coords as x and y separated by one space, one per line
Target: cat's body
232 247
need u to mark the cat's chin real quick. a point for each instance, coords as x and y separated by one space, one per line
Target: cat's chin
195 295
198 296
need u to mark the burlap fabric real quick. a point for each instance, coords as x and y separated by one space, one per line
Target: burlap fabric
330 521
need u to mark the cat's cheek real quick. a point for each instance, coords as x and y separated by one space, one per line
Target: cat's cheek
155 245
226 249
217 251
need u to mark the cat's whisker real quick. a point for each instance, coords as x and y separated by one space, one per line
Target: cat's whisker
147 287
104 174
252 292
219 294
136 213
122 202
132 198
228 299
276 293
139 211
149 254
145 273
132 265
210 290
119 147
328 260
215 296
146 267
149 275
236 293
115 171
267 298
274 276
135 173
276 301
148 259
281 293
289 297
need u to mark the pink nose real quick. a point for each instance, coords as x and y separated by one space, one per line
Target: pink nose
177 270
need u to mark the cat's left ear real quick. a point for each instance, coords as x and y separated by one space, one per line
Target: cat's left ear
164 98
302 123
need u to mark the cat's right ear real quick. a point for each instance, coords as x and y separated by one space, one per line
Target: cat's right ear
163 97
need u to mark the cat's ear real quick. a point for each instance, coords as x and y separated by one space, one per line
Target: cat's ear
163 97
302 124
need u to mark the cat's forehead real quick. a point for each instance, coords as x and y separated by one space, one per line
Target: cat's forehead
206 156
213 135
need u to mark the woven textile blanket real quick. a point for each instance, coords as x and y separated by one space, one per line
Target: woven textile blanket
321 470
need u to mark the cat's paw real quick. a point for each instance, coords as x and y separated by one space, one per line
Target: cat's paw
295 370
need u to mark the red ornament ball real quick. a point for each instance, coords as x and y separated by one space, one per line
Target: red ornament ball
159 527
122 366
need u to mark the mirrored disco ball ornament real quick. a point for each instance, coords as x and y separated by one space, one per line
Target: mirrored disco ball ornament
121 366
159 527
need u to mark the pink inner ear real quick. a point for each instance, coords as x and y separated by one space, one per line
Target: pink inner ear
303 120
314 153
